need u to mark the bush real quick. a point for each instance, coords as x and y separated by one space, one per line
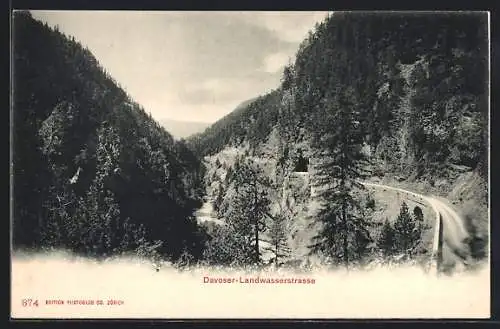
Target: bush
476 223
227 248
370 202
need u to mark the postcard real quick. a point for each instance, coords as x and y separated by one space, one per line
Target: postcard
243 165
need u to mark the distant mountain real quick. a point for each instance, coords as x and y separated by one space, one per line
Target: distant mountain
185 129
182 129
251 121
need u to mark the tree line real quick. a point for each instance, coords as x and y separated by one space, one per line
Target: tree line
250 123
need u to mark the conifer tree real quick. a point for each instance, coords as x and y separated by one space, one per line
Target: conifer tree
418 215
219 197
387 240
249 206
406 231
344 226
278 239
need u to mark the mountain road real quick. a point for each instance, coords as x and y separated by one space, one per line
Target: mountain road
450 240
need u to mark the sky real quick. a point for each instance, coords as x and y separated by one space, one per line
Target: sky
189 66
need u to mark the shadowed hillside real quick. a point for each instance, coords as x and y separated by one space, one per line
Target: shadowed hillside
93 173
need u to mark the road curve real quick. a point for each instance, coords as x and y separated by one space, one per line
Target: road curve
454 249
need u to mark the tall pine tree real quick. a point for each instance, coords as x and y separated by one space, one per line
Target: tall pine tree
247 207
387 240
278 239
407 232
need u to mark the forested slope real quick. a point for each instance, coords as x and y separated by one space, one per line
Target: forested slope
418 82
250 122
387 95
93 172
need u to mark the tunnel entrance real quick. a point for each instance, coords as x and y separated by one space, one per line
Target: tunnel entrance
301 163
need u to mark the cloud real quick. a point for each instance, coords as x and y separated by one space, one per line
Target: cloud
276 62
187 65
215 97
288 26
